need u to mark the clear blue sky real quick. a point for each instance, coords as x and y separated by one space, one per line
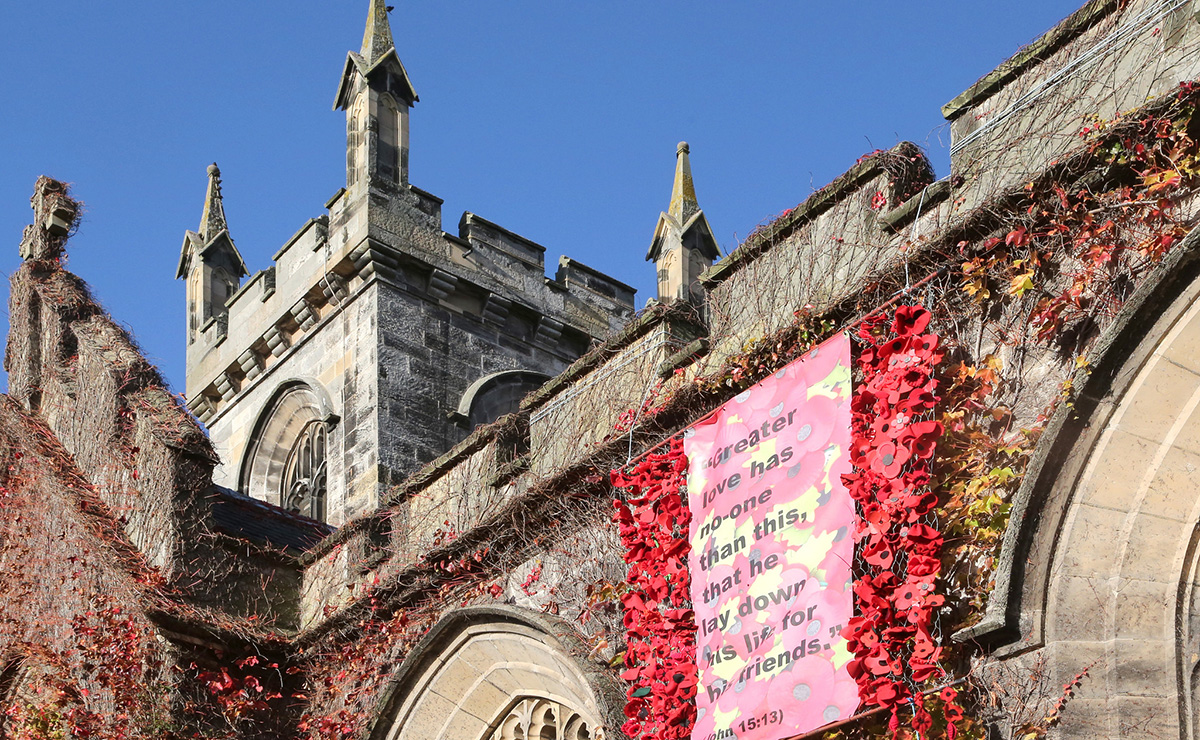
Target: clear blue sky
557 120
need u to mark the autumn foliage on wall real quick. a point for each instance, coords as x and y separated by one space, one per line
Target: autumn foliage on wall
88 665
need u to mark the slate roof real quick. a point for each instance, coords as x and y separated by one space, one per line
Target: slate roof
264 524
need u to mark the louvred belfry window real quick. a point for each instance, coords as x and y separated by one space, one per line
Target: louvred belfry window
304 480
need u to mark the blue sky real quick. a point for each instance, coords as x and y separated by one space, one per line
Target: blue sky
557 120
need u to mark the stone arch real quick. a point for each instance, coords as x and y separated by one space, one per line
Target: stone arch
499 672
288 414
495 395
1099 565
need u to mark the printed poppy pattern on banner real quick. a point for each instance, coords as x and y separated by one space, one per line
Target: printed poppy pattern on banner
771 553
660 657
893 636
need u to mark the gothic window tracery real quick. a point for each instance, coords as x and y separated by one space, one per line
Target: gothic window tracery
543 719
304 480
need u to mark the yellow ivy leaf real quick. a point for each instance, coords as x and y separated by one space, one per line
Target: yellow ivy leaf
1161 180
1020 284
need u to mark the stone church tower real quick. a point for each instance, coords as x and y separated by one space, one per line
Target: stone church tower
376 340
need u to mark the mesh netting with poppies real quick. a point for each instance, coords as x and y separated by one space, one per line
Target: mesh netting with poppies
660 659
893 637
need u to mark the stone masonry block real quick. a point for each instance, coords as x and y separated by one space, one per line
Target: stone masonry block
1140 610
1172 492
1116 476
1078 606
1154 543
1089 551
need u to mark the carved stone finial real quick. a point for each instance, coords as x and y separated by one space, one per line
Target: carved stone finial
212 219
377 40
54 215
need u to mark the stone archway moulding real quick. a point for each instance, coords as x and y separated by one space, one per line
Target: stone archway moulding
295 403
483 672
1099 565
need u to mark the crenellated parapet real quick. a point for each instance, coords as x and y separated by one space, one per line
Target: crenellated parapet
485 272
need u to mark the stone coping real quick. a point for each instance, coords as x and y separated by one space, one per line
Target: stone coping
299 233
816 204
469 217
1030 56
902 215
688 354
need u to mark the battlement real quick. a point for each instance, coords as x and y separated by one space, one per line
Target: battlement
487 273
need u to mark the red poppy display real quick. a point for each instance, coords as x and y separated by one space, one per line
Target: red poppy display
893 443
660 657
892 449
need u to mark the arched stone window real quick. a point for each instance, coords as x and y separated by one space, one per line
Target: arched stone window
499 673
287 456
495 395
304 480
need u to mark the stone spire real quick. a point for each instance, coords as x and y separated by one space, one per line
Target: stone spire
212 220
683 193
377 39
211 243
212 267
683 245
377 95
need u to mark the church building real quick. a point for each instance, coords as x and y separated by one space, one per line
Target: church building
384 506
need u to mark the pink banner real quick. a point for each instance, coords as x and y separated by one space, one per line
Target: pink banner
772 545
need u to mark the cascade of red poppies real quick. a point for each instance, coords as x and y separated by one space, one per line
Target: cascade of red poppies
894 434
660 657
